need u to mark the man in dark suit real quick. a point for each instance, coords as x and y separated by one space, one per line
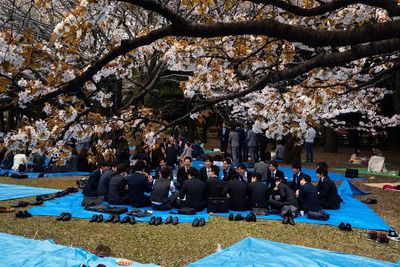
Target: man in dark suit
118 190
237 191
171 153
273 174
183 173
245 175
228 171
223 135
307 195
328 194
104 182
194 190
205 171
139 183
215 186
258 192
297 176
286 195
90 189
163 195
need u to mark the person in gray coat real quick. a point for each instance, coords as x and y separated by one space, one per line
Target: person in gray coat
234 143
262 168
252 144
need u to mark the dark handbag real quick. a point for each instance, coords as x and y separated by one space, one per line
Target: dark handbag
318 215
218 205
92 201
106 209
351 173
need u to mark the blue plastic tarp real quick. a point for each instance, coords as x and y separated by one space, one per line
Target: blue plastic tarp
12 191
72 204
352 211
4 172
259 252
289 174
19 251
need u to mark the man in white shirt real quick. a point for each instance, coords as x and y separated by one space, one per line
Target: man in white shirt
309 141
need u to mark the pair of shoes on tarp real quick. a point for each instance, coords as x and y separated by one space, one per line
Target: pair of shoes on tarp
251 217
141 213
23 204
173 220
199 222
378 237
97 218
128 219
288 220
65 216
113 218
155 220
345 227
236 218
22 214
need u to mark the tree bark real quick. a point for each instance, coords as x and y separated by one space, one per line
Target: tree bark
330 140
292 151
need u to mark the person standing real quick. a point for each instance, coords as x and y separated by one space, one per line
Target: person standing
252 144
223 135
309 142
234 143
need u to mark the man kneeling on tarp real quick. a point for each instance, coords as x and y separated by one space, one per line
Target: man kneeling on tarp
163 195
328 194
193 191
286 196
307 195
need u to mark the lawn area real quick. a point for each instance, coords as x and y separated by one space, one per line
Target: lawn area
170 245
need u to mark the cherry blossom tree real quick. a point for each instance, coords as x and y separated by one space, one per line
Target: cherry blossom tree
281 64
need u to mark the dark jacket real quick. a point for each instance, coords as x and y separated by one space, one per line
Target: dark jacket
308 198
160 191
287 195
215 187
137 186
104 183
237 191
203 173
271 178
295 183
117 193
182 175
171 155
195 192
328 194
258 195
228 174
223 137
90 189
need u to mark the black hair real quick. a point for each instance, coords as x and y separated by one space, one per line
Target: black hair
121 168
296 166
187 157
322 171
242 166
215 170
257 175
193 172
274 163
306 178
228 160
140 165
282 180
165 172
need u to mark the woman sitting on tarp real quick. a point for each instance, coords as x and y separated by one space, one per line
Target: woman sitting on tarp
328 195
355 158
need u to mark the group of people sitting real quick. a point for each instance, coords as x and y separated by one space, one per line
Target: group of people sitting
194 188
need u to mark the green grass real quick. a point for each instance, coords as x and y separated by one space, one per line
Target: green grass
170 245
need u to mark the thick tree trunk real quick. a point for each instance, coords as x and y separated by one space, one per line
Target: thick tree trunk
330 140
292 151
354 139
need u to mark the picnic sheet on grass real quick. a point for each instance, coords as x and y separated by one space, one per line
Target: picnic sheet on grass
289 174
13 191
352 211
4 172
72 204
259 252
20 251
364 171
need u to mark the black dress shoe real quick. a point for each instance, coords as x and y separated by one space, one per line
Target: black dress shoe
249 218
116 219
158 221
67 216
202 222
132 220
19 214
110 218
238 217
94 218
60 217
230 217
126 219
100 218
254 217
175 220
285 220
348 227
168 220
195 223
342 226
152 220
291 221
